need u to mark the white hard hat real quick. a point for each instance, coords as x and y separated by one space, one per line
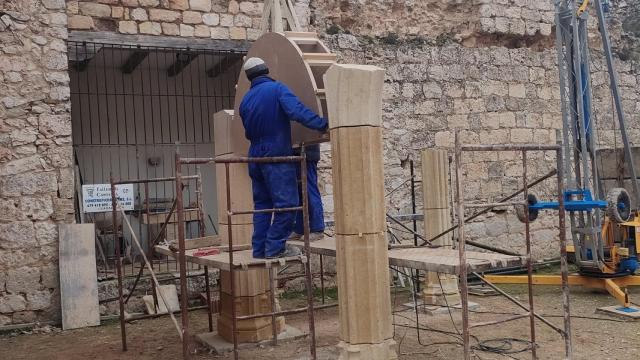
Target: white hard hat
255 67
252 62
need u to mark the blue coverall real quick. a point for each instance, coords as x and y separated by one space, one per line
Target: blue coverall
316 212
266 110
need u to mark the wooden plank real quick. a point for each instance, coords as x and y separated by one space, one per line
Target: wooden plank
158 41
161 217
220 261
78 277
430 259
207 241
351 95
358 180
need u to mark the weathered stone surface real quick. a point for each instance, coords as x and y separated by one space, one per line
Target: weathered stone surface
17 234
219 33
186 30
202 31
53 4
179 4
23 280
191 17
80 22
23 165
149 3
54 125
163 15
54 60
128 27
170 29
11 303
36 208
46 233
251 8
28 184
238 33
139 14
211 19
200 5
151 28
94 9
39 300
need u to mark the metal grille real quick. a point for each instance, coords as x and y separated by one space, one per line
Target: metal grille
132 107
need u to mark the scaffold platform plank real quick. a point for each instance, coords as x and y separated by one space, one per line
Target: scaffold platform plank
241 258
429 259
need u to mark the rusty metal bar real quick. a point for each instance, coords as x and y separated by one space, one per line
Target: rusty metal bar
494 205
307 250
286 312
518 303
201 228
149 250
263 211
464 296
496 322
272 298
234 319
114 214
564 266
153 180
154 316
510 147
184 295
322 278
193 161
486 210
258 160
527 232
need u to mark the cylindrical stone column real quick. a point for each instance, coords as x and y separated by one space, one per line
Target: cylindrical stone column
354 100
439 289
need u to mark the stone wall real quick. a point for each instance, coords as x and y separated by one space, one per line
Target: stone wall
36 178
216 19
498 84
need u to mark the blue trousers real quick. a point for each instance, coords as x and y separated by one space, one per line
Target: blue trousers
316 212
274 186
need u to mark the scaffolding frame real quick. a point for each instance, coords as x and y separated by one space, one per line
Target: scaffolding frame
269 263
119 270
523 149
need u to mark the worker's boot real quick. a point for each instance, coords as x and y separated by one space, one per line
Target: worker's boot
289 251
294 236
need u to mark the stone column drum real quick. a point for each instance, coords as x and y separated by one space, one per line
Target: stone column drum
354 100
439 289
252 286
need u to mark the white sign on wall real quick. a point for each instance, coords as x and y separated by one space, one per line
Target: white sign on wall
97 197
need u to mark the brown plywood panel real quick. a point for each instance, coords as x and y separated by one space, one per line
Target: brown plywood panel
354 95
362 266
241 234
78 277
358 180
241 193
286 64
224 142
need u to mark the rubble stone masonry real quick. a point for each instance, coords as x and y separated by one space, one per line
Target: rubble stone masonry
36 178
487 67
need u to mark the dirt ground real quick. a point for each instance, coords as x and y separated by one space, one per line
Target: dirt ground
602 338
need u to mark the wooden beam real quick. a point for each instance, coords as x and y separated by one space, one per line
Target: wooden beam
135 41
135 59
183 59
80 65
228 62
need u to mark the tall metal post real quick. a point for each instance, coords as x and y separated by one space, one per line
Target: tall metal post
532 318
184 295
307 250
564 266
114 214
613 76
464 296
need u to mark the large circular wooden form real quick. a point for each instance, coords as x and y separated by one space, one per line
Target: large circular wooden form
298 60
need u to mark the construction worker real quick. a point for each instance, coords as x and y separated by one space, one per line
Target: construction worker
316 212
266 111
